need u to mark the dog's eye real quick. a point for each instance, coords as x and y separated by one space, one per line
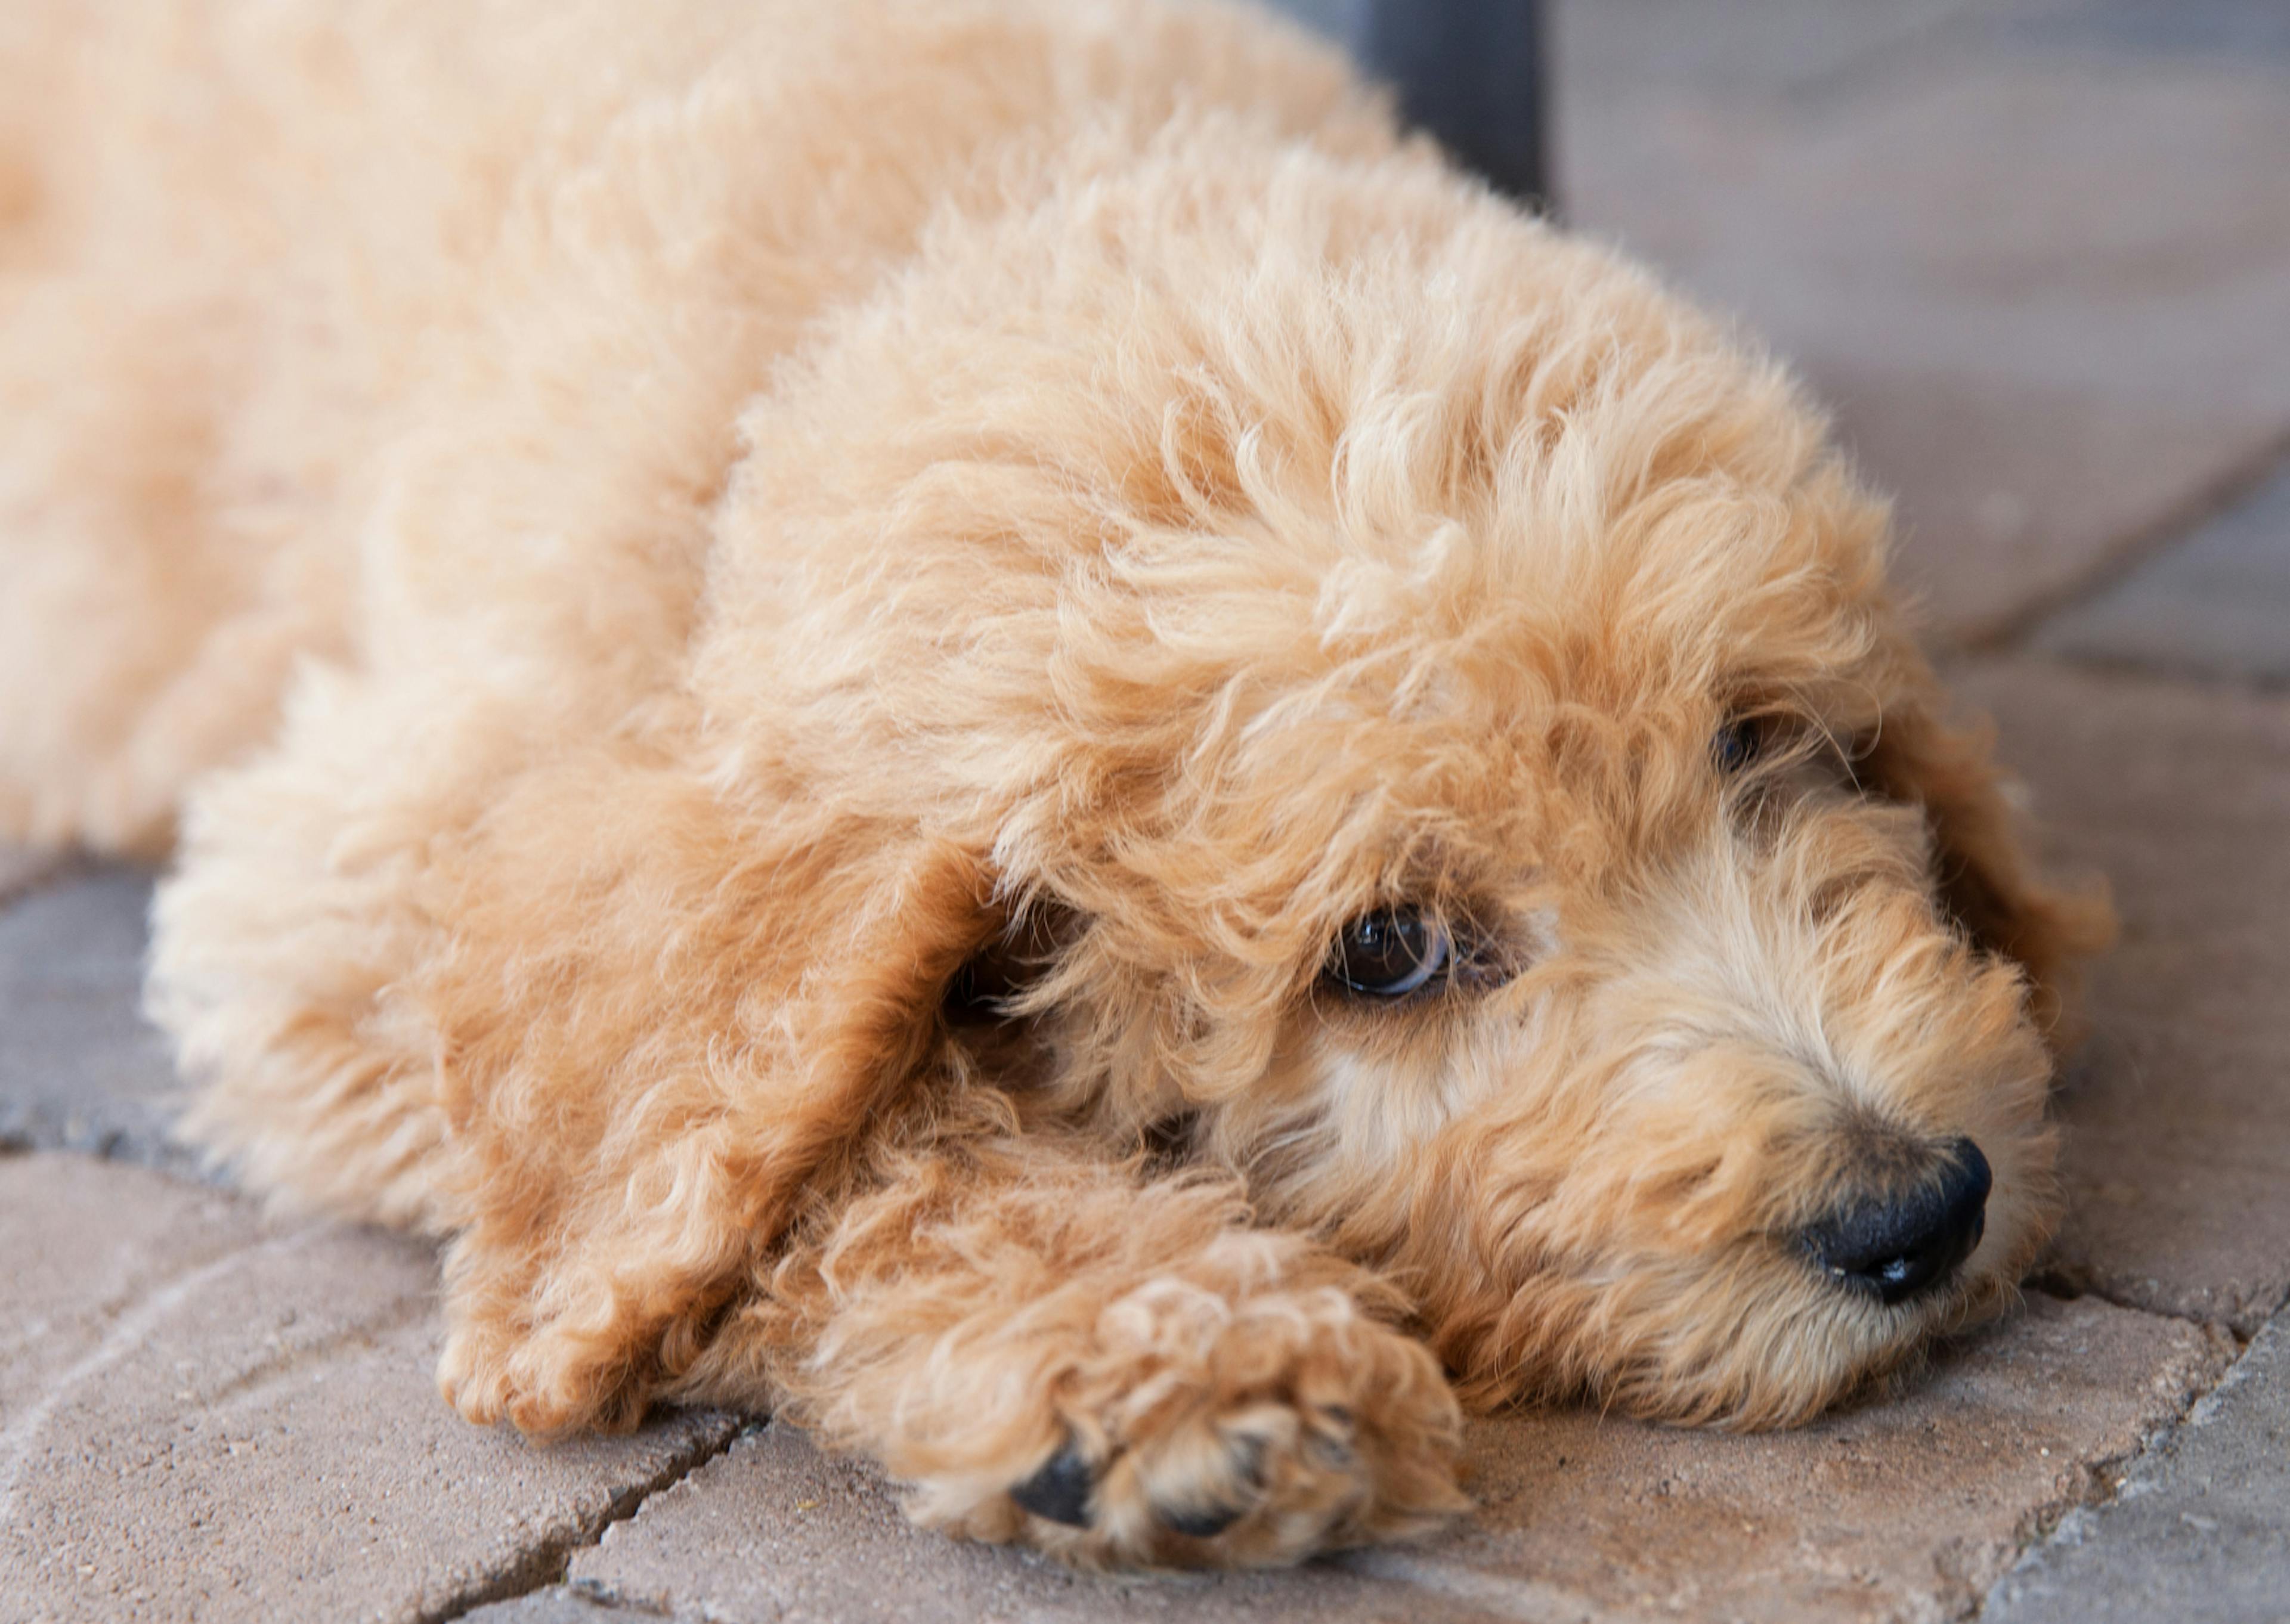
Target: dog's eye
1390 953
1737 744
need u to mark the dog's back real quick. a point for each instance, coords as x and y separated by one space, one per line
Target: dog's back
268 273
228 227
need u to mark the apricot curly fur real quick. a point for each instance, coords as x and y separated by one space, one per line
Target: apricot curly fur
631 555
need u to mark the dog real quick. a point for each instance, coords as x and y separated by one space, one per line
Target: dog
987 723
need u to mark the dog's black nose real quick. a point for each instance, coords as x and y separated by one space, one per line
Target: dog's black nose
1896 1246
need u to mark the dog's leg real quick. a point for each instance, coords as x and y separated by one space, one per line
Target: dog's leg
1054 1350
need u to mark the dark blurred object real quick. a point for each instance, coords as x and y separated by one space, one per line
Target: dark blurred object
1471 73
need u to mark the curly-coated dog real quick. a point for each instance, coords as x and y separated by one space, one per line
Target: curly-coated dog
980 721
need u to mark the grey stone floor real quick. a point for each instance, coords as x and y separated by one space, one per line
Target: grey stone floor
2037 253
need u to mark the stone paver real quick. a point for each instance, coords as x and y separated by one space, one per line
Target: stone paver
1898 1510
79 1070
2217 603
2178 1108
2009 493
2200 1532
21 869
2034 250
556 1605
209 1417
70 1282
1901 1509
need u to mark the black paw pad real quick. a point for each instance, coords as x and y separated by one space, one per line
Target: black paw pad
1060 1491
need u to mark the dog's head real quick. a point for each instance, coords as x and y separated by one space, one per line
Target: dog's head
1435 714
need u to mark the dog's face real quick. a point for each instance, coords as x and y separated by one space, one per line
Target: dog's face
1473 783
1567 935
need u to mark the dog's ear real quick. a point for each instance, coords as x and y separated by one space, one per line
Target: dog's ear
662 1017
1985 879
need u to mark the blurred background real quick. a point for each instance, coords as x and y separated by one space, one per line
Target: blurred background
2034 253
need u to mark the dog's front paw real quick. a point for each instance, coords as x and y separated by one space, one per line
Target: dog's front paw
1203 1433
546 1386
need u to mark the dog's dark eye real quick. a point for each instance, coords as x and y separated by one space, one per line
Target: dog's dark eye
1390 953
1737 744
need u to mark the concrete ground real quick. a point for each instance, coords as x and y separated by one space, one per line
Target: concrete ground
2037 254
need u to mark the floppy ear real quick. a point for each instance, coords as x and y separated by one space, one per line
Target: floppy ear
661 1018
1986 881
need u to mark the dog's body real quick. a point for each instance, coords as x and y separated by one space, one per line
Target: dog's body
823 650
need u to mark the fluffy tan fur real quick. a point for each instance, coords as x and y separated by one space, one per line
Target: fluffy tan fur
639 541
